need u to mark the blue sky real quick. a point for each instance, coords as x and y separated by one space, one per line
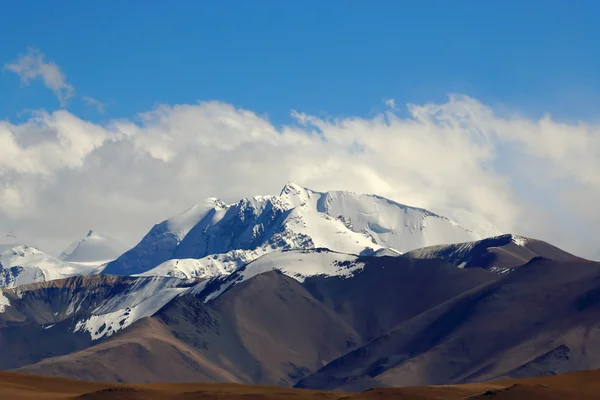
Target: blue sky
334 57
488 154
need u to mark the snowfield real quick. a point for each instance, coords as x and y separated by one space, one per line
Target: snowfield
214 238
93 249
22 264
297 264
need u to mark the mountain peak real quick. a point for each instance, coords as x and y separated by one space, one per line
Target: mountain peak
291 188
93 248
226 235
296 195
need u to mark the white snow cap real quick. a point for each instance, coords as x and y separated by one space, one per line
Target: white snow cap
25 264
297 218
93 248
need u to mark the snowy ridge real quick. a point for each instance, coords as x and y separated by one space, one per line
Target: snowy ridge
387 223
94 248
481 253
460 250
206 267
141 299
181 224
298 218
297 264
386 252
22 264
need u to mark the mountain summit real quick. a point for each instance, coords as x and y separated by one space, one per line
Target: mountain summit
23 264
214 237
93 248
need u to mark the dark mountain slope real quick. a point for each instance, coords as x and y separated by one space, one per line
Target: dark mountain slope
498 254
542 318
270 329
390 290
266 330
43 319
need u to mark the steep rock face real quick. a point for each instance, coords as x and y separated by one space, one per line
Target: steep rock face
298 218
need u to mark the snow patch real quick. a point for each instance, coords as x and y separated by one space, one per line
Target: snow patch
519 240
107 324
206 267
298 264
141 299
386 251
4 302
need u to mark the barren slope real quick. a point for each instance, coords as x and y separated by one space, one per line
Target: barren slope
270 329
543 318
580 386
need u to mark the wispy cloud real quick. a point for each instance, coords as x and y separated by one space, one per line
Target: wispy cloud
92 102
32 65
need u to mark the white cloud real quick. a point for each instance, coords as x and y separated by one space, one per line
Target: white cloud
32 65
62 175
391 103
92 102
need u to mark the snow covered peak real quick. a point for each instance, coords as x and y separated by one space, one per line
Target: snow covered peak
391 224
181 224
23 264
298 218
93 248
298 196
291 188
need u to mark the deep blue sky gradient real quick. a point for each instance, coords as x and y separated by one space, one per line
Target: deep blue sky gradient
322 57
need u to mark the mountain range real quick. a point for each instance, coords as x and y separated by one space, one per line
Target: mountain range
333 290
21 264
215 238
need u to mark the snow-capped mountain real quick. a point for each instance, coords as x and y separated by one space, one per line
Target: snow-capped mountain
298 218
22 264
500 254
314 318
94 248
297 264
206 267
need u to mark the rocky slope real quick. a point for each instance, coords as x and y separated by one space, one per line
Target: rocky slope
498 254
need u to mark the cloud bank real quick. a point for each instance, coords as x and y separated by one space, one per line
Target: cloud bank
61 175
